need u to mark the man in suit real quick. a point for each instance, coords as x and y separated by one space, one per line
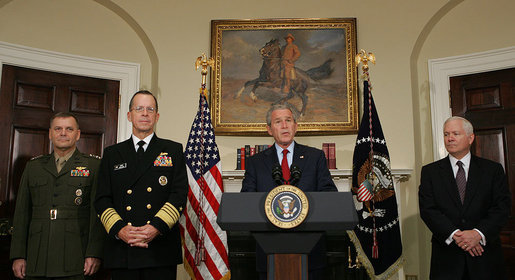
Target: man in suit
141 195
56 232
464 200
281 122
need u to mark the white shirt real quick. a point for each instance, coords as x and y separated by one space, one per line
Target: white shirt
466 165
289 156
147 139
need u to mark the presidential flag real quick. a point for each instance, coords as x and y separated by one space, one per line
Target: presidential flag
204 242
377 236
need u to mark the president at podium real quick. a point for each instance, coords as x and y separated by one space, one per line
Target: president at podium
288 162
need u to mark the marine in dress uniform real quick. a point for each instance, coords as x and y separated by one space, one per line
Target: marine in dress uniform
141 197
56 230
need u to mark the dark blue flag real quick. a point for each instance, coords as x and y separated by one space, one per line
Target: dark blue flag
377 236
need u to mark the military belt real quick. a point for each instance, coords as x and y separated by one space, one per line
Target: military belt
59 213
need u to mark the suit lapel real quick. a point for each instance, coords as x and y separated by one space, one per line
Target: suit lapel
473 179
71 163
153 150
271 159
299 157
50 167
450 181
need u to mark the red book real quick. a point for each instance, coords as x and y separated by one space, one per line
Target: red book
332 156
325 148
242 158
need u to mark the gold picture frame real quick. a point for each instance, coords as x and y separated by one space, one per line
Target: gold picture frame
249 74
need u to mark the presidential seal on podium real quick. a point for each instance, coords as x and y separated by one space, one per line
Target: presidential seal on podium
286 206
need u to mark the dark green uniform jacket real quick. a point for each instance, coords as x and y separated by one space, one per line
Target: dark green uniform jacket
55 226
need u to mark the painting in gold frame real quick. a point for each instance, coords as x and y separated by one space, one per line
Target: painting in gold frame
252 71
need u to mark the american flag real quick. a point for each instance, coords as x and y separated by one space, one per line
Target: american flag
204 242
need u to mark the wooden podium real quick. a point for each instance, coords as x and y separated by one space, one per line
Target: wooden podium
287 249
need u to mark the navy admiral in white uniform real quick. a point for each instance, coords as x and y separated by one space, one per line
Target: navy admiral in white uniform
141 194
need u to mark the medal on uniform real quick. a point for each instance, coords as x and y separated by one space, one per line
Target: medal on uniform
78 200
79 171
163 180
163 160
78 192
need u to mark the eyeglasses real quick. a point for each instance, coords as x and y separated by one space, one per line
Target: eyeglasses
140 109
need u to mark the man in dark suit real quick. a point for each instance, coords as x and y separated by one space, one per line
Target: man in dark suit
56 232
142 191
464 200
281 122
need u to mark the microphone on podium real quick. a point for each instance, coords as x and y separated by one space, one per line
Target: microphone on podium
277 174
295 174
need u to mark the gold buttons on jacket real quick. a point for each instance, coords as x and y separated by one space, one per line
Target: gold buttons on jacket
129 224
128 208
148 222
149 206
149 189
129 191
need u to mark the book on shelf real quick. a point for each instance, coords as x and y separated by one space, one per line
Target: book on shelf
242 158
332 156
238 159
325 148
243 153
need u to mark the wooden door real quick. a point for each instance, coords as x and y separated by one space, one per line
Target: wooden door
28 99
487 100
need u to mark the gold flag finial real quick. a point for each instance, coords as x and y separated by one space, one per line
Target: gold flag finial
364 58
204 62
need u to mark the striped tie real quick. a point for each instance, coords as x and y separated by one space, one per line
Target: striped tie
461 181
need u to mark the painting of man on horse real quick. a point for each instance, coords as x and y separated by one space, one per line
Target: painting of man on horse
318 93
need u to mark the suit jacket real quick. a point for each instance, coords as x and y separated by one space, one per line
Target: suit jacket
151 191
486 207
311 161
57 247
315 177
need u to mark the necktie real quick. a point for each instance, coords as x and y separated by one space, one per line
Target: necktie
461 181
285 167
140 151
60 164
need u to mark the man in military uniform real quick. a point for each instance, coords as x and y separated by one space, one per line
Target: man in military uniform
57 233
290 54
142 191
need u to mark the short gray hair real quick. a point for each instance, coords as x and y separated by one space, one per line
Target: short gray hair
281 106
467 126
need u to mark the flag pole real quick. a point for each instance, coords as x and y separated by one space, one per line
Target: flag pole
200 253
363 57
204 62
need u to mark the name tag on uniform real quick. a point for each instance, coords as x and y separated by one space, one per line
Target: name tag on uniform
163 160
120 166
79 171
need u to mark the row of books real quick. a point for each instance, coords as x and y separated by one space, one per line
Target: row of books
330 154
247 151
243 153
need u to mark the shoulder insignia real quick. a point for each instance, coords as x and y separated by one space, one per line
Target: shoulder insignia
95 156
36 157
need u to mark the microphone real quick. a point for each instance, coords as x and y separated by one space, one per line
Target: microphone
295 174
277 174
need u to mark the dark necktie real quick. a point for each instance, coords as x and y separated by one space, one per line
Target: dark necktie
461 181
140 151
285 167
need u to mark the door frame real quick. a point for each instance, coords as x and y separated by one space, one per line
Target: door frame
127 73
441 69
